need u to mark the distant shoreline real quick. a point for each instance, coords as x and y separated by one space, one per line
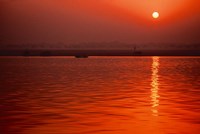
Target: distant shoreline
99 53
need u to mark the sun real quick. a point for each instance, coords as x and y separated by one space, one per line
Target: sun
155 15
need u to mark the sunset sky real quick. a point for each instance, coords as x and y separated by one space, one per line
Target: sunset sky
72 21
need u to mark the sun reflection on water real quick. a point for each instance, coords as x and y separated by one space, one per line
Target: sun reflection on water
155 86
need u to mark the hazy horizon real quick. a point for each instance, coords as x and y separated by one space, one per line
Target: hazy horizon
77 21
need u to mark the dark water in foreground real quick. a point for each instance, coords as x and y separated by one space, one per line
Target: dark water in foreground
147 95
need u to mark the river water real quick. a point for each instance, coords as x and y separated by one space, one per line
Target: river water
100 95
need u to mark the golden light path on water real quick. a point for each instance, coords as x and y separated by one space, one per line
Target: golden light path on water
155 86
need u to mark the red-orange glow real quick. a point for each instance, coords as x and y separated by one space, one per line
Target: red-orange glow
139 11
100 20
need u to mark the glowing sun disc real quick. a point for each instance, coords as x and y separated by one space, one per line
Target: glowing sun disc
155 15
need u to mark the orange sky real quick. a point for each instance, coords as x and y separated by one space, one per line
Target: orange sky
99 20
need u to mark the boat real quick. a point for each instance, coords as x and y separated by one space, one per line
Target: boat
81 56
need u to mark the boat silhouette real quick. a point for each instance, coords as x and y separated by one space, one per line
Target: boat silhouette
81 56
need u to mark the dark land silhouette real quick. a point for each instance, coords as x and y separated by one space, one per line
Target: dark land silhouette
99 53
100 49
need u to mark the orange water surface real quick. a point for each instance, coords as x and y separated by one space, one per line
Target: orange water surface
107 95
